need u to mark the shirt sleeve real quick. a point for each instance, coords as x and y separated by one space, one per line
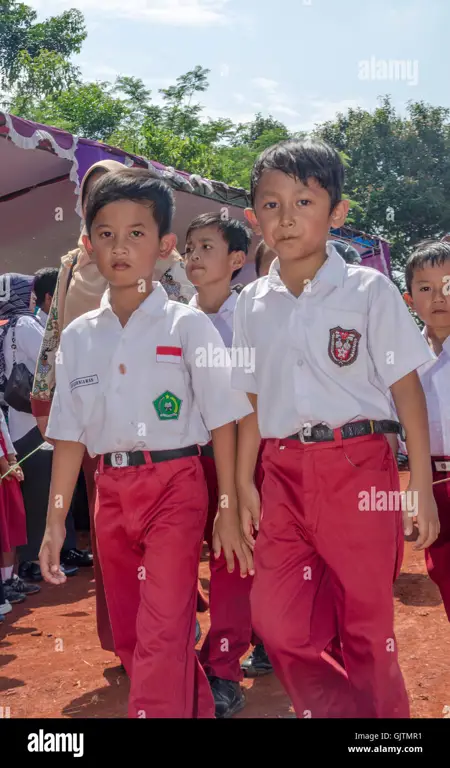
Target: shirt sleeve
243 377
7 437
209 364
63 423
395 342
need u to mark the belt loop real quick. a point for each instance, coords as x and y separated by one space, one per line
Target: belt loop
101 465
277 442
338 440
148 458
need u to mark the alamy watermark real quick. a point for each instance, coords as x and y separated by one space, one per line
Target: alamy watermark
219 357
388 501
405 70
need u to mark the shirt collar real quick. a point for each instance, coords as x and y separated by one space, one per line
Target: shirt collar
227 306
154 304
332 271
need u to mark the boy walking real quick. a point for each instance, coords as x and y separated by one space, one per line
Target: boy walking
427 276
129 390
216 250
332 342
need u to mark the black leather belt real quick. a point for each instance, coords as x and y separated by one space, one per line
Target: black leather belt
320 433
137 458
207 450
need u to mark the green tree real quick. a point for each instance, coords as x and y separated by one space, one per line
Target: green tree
399 171
19 31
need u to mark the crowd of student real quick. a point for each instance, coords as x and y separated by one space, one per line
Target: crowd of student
264 461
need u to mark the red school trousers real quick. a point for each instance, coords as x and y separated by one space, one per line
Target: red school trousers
103 623
230 633
320 531
149 522
437 557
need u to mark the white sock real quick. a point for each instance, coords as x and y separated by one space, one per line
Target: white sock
7 572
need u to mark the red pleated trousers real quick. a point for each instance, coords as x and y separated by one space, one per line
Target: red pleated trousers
150 522
437 557
323 543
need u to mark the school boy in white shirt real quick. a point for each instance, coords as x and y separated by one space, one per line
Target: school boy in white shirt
216 249
427 277
129 390
331 342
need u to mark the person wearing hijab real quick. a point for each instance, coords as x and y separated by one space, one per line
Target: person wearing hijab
79 289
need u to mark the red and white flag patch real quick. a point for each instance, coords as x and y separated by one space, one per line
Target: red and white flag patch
168 354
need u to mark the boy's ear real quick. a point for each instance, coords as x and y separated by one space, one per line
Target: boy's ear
408 299
250 216
167 245
339 213
87 245
238 259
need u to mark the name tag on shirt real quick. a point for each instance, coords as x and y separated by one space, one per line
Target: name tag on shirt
84 381
168 354
442 466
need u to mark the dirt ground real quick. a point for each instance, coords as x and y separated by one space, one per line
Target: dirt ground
51 663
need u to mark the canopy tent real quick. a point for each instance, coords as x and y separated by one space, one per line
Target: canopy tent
40 172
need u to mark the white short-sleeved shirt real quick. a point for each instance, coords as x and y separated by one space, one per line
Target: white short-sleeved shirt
223 319
145 386
29 333
435 379
330 355
6 436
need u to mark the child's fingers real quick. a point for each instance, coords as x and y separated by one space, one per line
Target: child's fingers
408 524
217 545
427 535
229 557
247 532
242 559
249 558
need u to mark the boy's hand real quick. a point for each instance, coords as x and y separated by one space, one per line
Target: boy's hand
227 536
51 546
17 471
249 512
421 505
4 468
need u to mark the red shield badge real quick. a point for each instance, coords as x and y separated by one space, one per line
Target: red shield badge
343 346
119 459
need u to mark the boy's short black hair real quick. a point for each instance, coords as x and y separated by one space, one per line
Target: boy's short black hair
303 160
432 253
259 255
138 185
237 236
45 282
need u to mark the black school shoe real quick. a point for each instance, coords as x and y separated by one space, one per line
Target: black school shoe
258 663
228 697
30 571
16 585
81 558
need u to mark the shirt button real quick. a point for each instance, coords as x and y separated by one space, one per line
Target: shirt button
122 368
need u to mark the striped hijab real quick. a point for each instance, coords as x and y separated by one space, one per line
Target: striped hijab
15 296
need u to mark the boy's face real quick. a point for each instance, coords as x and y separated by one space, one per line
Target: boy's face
294 218
126 243
207 257
430 295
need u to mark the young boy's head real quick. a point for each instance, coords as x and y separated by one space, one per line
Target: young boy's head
263 259
44 287
216 249
427 277
296 194
128 221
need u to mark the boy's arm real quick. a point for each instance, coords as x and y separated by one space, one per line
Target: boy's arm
226 534
66 465
411 408
249 440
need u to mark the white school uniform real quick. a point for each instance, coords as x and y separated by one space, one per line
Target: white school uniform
223 319
330 355
29 333
6 436
141 387
435 380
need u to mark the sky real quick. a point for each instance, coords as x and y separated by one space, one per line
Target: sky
301 61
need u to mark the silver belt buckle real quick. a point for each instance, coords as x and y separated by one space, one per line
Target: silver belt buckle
301 433
119 459
442 466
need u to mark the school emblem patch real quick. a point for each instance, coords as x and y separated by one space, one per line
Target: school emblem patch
343 346
167 406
